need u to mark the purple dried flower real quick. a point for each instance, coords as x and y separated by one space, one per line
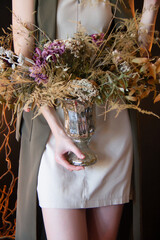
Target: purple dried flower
53 51
50 53
98 38
38 59
36 73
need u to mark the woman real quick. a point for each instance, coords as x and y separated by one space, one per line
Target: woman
84 203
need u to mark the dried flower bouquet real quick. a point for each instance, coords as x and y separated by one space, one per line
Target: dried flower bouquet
99 68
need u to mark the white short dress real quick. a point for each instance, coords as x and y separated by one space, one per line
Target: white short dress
108 181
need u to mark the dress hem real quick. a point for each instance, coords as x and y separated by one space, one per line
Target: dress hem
87 203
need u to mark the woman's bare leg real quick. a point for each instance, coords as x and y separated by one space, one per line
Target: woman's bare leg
103 222
65 224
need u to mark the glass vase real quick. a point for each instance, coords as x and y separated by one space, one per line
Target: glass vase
79 122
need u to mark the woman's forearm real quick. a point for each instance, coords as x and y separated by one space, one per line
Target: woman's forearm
54 123
63 143
23 24
147 23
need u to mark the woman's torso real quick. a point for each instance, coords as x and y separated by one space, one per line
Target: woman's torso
108 181
93 15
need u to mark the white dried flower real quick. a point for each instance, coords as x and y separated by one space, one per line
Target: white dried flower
13 66
2 51
21 59
74 46
124 67
132 35
65 69
116 56
10 60
9 54
84 90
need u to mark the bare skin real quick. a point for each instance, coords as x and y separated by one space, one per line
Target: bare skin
103 222
72 224
65 224
147 25
60 136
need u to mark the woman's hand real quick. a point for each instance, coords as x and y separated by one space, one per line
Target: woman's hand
64 145
26 109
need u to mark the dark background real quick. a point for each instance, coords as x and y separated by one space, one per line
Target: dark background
149 165
5 21
141 218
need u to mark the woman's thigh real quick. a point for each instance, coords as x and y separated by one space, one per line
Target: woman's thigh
103 222
65 224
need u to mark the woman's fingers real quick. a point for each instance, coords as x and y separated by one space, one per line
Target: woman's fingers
26 109
63 146
77 152
62 161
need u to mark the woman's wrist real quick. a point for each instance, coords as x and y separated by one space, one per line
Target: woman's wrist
55 124
59 133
